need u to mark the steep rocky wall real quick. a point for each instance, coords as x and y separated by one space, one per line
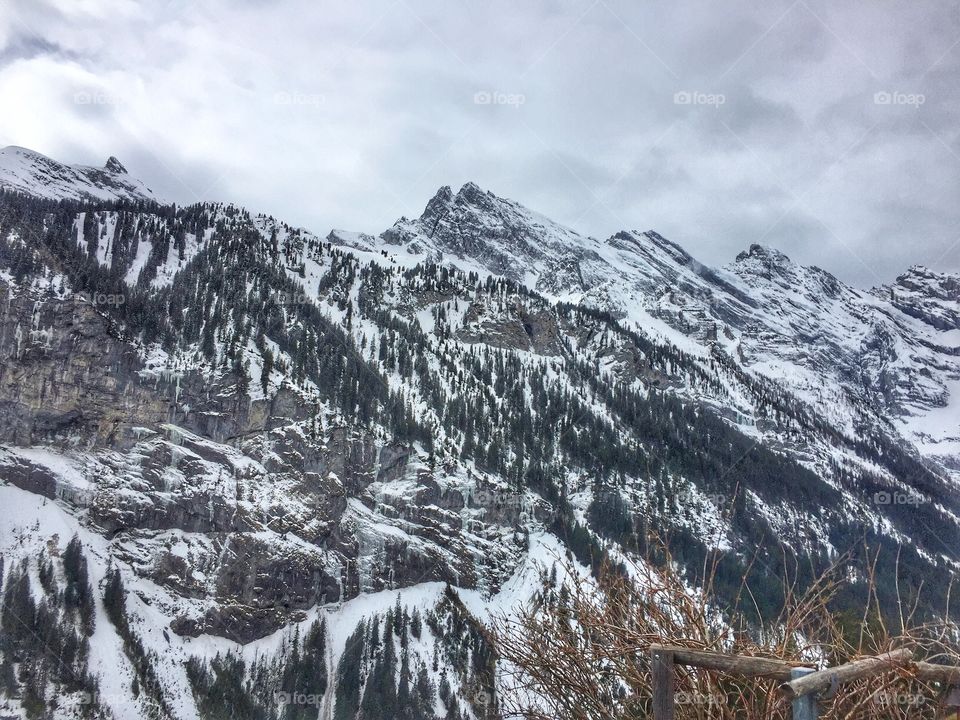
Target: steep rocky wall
64 376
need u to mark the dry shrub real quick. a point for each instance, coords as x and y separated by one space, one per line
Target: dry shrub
580 650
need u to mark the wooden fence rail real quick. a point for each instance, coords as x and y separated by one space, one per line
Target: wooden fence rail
745 665
848 672
801 684
938 673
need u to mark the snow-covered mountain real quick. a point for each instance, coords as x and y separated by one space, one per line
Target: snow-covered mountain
276 449
888 355
26 171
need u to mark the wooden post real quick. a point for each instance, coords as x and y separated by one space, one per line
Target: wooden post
804 706
662 675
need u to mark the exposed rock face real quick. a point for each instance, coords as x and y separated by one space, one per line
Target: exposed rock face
30 477
114 166
68 373
254 531
254 546
520 328
63 373
929 296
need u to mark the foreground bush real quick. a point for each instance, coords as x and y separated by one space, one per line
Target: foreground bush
580 650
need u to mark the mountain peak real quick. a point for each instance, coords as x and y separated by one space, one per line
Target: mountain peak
765 254
115 166
20 150
470 188
934 276
27 171
481 230
439 204
932 296
469 194
470 197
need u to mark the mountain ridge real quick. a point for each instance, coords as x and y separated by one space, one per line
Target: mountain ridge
644 278
25 170
257 428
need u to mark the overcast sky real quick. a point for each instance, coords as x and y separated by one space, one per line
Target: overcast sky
828 130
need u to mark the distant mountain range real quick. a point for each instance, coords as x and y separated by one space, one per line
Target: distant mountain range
280 446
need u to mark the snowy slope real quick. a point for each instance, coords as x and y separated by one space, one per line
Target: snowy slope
29 172
38 526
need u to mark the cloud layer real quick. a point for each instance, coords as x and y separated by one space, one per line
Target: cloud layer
828 130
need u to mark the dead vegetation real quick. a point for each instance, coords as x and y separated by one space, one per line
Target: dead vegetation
580 651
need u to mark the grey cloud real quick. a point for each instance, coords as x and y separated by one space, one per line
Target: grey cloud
24 47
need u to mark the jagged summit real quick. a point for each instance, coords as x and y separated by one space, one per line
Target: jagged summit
927 295
921 273
794 323
471 190
764 254
115 166
470 195
32 173
485 232
438 204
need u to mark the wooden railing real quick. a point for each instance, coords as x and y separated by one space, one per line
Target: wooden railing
801 684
